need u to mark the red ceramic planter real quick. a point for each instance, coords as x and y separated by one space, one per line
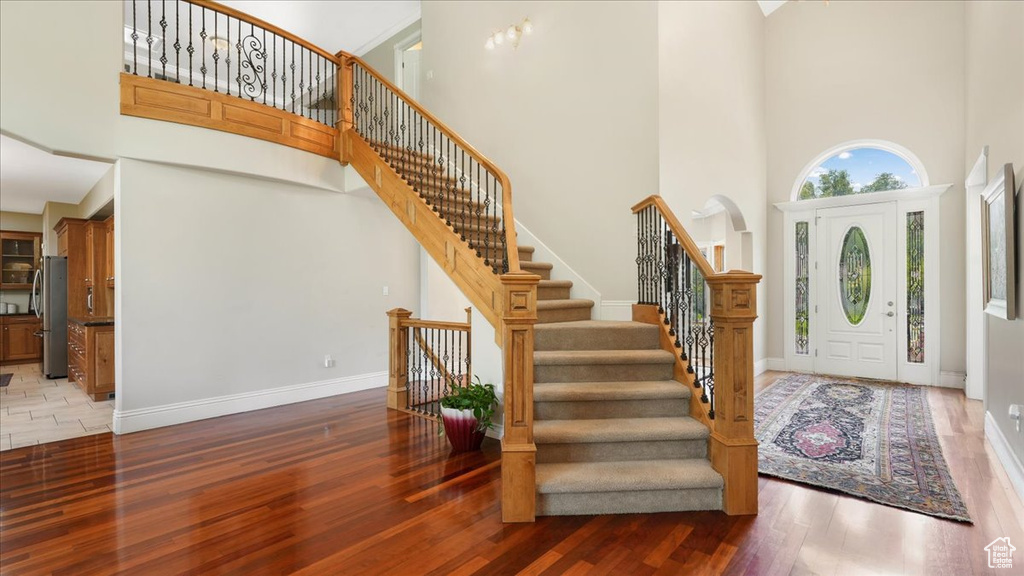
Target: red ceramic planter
460 426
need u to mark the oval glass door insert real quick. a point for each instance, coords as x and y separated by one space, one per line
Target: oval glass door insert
854 275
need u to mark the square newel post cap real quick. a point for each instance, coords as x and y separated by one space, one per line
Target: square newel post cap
399 313
733 296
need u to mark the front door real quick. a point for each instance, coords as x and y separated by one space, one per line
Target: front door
857 291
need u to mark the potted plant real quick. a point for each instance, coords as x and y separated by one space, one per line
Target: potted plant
466 414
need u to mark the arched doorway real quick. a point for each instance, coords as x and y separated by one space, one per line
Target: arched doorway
720 230
861 265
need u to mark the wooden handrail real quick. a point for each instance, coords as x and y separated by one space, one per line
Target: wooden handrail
346 61
437 324
229 11
685 240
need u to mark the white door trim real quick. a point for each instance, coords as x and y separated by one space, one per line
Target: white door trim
400 47
977 335
907 200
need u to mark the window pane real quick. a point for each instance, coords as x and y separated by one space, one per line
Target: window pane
859 171
915 287
802 287
854 275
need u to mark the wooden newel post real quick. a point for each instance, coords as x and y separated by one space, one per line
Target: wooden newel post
344 91
732 444
518 452
398 341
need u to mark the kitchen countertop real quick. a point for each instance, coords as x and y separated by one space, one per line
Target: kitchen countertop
94 321
19 315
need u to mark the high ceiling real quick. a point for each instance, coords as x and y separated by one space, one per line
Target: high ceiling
355 26
769 6
30 177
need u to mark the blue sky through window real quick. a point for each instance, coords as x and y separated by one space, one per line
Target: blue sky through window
864 164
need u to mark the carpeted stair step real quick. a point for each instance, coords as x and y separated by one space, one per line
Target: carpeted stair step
573 488
602 365
595 400
615 439
596 335
568 310
542 269
552 289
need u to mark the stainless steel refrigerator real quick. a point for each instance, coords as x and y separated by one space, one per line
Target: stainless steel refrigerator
50 300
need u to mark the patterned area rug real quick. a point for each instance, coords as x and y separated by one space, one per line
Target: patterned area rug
870 440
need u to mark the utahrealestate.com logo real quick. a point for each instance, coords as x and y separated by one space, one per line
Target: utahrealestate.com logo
1000 553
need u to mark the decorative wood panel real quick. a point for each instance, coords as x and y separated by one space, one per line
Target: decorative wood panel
171 102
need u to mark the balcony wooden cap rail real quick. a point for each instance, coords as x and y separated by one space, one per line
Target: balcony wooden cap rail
229 11
346 61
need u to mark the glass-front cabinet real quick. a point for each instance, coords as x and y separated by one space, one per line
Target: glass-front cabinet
19 258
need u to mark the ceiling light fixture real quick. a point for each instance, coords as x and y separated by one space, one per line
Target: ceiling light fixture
218 42
514 34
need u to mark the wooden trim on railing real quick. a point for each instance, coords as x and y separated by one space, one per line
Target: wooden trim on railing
506 186
217 6
681 234
398 342
171 102
437 325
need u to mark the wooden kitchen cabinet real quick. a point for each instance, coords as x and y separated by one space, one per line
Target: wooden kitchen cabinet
109 270
71 242
91 357
18 341
90 256
19 259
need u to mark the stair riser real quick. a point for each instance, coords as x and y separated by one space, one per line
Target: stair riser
621 451
633 502
596 339
544 275
562 314
586 410
601 372
550 292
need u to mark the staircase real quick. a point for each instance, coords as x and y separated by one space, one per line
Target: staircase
611 424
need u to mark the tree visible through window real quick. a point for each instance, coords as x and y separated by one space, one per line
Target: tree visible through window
859 171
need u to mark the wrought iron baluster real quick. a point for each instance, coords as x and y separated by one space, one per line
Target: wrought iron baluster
177 40
216 53
149 36
227 51
263 80
191 48
163 33
202 42
691 319
711 366
135 40
292 69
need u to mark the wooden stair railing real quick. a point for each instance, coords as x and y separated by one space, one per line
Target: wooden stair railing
458 205
710 331
456 202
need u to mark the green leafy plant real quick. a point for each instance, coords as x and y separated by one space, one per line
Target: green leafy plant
478 397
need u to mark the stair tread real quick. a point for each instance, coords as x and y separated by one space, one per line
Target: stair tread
574 357
597 324
555 284
575 477
619 430
537 265
563 303
610 391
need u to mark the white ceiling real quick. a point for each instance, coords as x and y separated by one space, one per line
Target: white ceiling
30 177
355 26
769 6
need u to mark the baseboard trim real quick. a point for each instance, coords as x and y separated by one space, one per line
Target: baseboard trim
127 421
952 380
621 310
1004 453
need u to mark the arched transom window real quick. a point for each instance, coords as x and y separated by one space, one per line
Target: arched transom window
860 168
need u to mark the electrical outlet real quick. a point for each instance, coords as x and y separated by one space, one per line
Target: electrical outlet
386 291
1015 410
328 361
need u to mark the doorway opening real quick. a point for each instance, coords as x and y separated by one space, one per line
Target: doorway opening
407 64
861 266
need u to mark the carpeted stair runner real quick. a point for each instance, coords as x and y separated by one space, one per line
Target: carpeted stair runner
611 424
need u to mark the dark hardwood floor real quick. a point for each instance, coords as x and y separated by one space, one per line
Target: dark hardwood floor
343 486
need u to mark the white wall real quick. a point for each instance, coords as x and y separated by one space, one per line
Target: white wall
854 70
571 116
233 286
711 88
995 117
98 196
86 120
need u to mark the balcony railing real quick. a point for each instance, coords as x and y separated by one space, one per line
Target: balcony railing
210 46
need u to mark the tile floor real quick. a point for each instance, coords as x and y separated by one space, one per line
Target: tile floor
35 410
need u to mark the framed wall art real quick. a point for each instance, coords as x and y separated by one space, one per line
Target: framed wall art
998 244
